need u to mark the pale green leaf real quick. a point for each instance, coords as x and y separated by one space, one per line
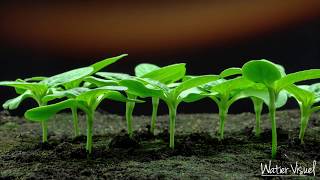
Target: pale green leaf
43 113
145 68
230 72
167 74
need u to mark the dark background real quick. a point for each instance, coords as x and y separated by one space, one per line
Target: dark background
292 43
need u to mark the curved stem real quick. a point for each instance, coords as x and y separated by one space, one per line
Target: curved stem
258 105
272 114
172 114
90 117
155 104
305 116
129 111
75 122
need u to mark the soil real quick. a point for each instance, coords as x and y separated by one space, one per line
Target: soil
198 153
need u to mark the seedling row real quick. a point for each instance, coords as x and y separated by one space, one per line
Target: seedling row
83 89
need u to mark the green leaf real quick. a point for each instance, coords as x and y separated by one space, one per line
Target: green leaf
226 86
194 94
262 71
68 76
69 93
113 75
261 93
43 113
145 68
231 72
154 83
167 74
34 87
106 62
315 109
194 82
35 79
15 102
95 96
137 88
301 94
100 82
297 77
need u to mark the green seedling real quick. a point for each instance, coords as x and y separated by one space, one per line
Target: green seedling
44 86
85 99
225 93
166 75
172 95
272 76
306 96
257 101
142 70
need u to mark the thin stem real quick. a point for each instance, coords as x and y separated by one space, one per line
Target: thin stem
272 114
222 115
305 116
90 117
155 104
129 111
75 122
172 114
258 105
44 126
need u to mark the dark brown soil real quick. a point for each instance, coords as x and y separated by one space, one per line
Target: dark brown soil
198 153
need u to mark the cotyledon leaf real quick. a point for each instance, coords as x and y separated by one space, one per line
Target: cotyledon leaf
297 77
261 71
144 68
15 102
100 82
43 113
68 76
137 88
113 75
69 93
167 74
230 72
194 94
34 87
194 82
106 62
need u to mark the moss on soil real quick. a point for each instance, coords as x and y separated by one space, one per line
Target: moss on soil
199 154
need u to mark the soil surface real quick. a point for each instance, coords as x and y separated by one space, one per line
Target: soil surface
198 154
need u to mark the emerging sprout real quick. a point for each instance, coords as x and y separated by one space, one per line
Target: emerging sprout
166 75
272 76
306 96
171 95
225 93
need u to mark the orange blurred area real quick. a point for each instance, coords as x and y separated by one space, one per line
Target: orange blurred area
80 29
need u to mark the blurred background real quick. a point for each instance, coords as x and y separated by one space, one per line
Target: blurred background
45 38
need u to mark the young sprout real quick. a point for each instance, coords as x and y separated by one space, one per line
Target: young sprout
38 87
39 90
173 73
306 96
224 94
171 95
85 99
166 75
272 76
